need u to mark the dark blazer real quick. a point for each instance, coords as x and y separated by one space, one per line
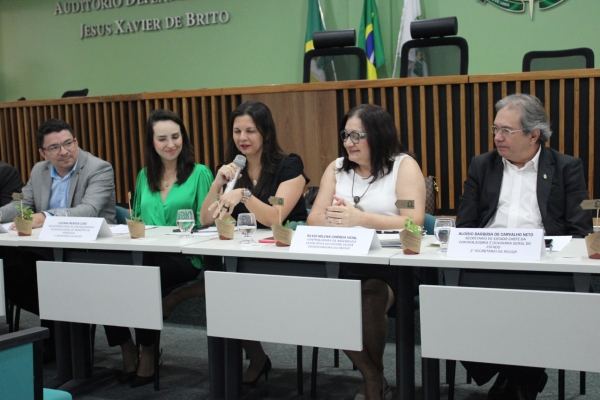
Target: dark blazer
10 182
561 188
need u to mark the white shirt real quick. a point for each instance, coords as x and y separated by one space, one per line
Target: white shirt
377 198
518 205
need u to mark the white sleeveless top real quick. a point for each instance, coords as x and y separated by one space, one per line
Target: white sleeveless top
379 198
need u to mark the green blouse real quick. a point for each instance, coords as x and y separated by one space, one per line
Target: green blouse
189 195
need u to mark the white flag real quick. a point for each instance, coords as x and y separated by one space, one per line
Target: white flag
410 12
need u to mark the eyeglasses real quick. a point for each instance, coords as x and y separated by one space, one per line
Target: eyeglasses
55 148
355 136
503 131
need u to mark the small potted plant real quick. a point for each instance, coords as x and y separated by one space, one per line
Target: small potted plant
282 234
24 221
137 228
225 227
411 237
592 242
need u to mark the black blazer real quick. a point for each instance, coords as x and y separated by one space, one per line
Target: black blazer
560 190
10 182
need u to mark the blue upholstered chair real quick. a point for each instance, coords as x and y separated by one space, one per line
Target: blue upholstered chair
122 215
21 370
429 224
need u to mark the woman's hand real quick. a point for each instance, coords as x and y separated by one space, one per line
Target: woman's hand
226 203
341 213
225 174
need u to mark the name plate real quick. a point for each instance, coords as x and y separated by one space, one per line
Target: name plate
500 244
74 228
329 240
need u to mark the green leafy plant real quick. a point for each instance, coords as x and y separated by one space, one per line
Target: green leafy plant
137 219
229 220
293 224
25 212
411 226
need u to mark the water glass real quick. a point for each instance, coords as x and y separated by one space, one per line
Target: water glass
441 230
185 222
246 224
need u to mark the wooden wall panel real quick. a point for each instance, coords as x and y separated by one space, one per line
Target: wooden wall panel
314 138
443 120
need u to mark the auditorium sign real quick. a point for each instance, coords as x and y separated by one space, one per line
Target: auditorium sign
519 5
124 27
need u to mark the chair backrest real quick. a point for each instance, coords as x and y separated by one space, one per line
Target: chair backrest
75 93
21 366
434 57
122 215
338 63
581 57
429 224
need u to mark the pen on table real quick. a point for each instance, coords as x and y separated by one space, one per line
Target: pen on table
387 231
193 230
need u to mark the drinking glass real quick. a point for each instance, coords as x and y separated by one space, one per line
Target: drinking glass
61 212
185 222
441 230
247 226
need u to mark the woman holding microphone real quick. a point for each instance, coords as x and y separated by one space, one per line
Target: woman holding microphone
268 172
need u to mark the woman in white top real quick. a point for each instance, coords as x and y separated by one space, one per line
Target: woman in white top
361 189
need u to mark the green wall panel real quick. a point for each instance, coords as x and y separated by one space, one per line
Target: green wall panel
41 55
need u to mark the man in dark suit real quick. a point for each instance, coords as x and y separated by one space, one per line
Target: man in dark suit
522 184
10 182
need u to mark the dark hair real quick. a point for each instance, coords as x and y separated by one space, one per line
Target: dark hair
51 126
154 165
381 136
272 154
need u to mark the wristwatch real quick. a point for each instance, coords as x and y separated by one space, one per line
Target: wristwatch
246 193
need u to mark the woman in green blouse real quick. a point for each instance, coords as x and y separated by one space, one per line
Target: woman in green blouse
171 181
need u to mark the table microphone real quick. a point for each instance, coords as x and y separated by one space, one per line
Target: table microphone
240 163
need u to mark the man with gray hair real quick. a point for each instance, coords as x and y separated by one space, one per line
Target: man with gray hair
521 184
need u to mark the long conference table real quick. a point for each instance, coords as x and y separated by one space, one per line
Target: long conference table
269 259
73 347
531 317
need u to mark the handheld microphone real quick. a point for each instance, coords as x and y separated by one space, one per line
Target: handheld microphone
240 163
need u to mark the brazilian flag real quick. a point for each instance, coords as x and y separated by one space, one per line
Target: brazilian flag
369 38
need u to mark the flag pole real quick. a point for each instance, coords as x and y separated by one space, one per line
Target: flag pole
324 26
399 39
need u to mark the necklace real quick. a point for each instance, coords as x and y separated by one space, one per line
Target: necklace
167 182
357 198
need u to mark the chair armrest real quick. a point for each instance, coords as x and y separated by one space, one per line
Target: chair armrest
23 337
